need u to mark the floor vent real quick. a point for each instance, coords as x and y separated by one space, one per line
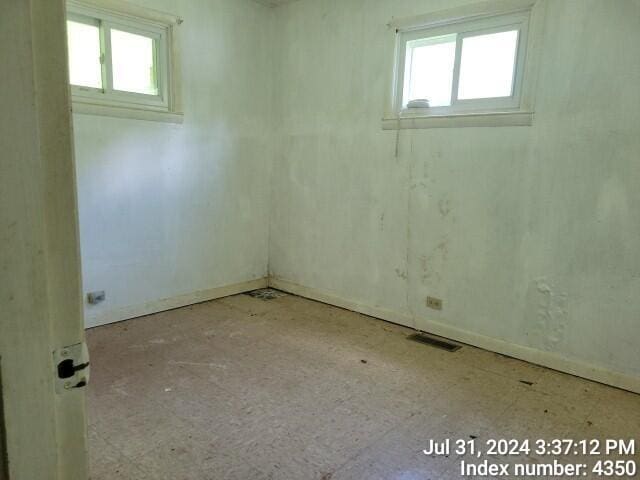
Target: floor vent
437 342
266 294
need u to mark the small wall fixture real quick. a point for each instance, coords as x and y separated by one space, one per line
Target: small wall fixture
418 103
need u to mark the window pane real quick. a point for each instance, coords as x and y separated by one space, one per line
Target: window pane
133 61
487 65
84 54
429 70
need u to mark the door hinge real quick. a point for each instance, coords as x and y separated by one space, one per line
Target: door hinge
71 367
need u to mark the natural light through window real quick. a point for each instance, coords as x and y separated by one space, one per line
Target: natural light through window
123 61
133 59
487 65
85 69
464 67
429 70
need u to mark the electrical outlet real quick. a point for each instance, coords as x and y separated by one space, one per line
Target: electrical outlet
434 303
96 297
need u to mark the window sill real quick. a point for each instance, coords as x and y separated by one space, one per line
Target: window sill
125 112
493 119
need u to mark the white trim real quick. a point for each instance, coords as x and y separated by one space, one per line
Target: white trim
464 13
459 32
150 23
465 112
492 119
127 10
528 354
539 357
117 315
125 112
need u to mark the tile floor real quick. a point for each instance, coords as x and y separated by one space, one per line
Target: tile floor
241 388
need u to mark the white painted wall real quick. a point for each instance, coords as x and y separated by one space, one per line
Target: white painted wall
530 235
173 211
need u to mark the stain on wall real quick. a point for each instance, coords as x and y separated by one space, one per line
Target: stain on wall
528 234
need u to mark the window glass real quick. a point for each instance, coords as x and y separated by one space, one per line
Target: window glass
487 65
85 69
133 60
429 70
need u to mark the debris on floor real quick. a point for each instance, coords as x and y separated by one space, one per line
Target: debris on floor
312 391
266 294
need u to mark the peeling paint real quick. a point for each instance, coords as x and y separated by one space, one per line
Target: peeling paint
556 200
550 308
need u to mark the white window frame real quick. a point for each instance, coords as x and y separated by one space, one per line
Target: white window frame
112 14
468 21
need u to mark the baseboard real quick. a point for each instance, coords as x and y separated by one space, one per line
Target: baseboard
134 311
521 352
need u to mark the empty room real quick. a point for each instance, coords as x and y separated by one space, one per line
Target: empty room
319 239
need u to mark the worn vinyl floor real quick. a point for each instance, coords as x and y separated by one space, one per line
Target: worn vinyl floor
242 388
